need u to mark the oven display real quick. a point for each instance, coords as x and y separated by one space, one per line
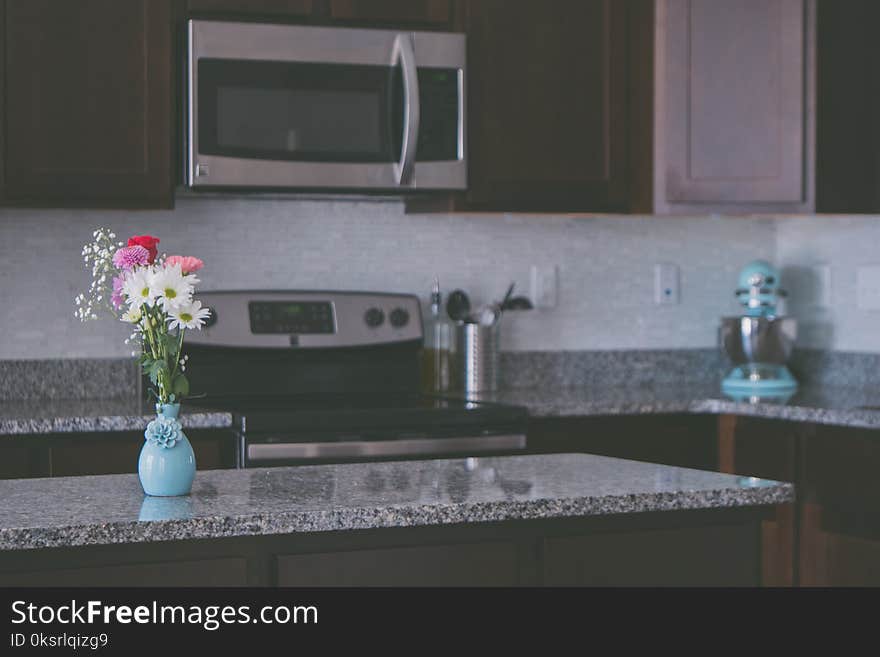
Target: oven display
301 317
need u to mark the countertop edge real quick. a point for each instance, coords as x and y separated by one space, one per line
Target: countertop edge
397 516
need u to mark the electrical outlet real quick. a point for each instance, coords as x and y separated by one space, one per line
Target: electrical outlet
667 284
544 288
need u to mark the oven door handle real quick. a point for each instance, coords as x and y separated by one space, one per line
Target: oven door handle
404 55
267 452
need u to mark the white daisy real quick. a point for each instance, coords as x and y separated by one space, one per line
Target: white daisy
171 287
136 288
188 316
132 315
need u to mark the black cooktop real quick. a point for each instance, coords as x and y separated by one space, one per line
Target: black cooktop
359 411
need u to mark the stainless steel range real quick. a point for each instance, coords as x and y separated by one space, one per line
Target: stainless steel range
332 377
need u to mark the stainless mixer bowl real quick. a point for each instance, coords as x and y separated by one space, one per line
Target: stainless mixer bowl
758 339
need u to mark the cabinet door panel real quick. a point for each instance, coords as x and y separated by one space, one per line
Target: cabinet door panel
732 91
207 572
767 449
704 556
547 110
88 102
481 564
426 12
255 7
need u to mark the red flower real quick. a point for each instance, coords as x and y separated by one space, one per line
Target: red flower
148 242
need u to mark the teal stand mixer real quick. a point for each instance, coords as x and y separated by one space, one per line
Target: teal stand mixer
759 342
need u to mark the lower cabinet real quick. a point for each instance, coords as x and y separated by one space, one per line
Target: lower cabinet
68 455
206 572
674 439
480 564
696 556
717 547
840 515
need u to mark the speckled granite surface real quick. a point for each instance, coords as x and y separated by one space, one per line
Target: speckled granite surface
94 415
71 511
528 369
834 405
75 378
853 407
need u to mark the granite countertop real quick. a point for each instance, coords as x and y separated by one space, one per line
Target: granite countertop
842 406
112 509
95 415
853 407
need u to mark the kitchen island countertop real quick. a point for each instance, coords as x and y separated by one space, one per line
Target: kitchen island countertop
112 509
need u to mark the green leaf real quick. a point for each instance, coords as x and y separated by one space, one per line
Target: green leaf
155 371
180 385
170 344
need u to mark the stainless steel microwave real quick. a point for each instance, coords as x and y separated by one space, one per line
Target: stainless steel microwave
323 108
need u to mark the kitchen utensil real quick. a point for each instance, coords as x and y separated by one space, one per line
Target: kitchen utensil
458 306
488 314
507 297
476 357
518 303
759 342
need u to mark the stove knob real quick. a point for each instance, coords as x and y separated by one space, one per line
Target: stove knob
374 317
399 318
211 319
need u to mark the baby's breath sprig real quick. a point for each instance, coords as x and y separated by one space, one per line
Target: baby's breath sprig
98 258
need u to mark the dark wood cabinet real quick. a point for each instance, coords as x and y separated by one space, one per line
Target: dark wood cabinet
695 556
705 547
63 455
89 102
203 572
267 8
840 517
547 106
734 95
681 440
414 13
477 564
767 449
848 104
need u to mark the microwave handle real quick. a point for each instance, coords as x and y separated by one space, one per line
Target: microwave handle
405 56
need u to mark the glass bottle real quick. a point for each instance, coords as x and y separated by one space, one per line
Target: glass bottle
436 354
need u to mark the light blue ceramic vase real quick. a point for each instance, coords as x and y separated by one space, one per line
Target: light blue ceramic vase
167 465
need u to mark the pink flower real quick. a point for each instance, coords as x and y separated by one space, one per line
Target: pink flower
129 257
188 264
116 298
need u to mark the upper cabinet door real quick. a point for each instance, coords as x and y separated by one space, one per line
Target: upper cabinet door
88 102
269 8
734 109
548 104
425 13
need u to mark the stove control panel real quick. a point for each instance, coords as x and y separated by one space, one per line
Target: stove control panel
300 317
308 319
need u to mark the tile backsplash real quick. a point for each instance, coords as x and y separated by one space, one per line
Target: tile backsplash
606 266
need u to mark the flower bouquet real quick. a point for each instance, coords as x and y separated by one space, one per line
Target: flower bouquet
154 294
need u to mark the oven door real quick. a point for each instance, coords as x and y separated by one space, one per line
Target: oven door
282 106
297 450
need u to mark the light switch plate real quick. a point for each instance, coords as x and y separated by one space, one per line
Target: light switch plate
544 286
822 278
667 284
